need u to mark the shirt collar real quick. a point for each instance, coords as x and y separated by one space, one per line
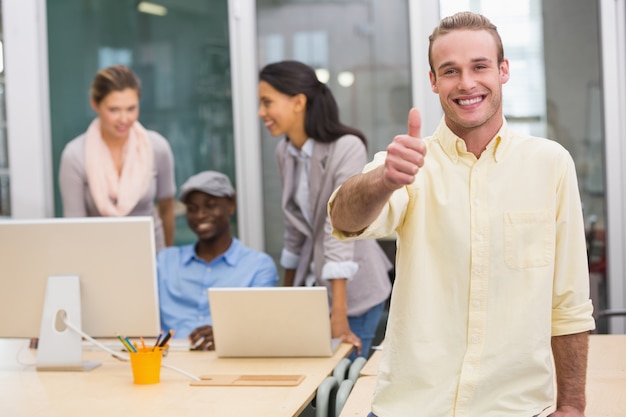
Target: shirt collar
305 152
453 145
231 256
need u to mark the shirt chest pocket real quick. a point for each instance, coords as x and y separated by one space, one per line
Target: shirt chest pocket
528 239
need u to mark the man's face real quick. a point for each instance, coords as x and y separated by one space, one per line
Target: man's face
469 80
208 216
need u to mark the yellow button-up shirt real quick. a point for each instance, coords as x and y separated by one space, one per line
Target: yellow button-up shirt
491 263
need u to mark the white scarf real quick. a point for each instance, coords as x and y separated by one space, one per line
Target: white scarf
113 194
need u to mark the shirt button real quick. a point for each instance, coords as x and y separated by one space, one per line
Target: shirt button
475 338
476 304
477 202
479 237
200 317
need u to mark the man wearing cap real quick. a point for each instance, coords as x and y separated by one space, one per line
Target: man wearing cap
217 259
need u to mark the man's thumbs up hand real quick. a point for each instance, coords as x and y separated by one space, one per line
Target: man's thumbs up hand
405 155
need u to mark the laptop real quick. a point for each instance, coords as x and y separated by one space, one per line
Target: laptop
271 322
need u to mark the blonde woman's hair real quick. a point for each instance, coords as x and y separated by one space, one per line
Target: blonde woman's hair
115 78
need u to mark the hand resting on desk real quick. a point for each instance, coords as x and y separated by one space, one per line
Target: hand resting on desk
202 338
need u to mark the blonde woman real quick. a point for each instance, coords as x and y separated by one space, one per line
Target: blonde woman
117 167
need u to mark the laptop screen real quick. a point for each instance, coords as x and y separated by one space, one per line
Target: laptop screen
271 322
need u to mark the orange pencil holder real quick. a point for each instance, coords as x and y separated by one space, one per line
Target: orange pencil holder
146 365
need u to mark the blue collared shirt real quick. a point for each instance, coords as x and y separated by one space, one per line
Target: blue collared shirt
184 279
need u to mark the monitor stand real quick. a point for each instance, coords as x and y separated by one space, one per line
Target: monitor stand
60 348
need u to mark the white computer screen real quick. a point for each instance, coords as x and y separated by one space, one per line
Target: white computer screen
114 259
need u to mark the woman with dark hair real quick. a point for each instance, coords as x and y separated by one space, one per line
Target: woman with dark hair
118 168
317 155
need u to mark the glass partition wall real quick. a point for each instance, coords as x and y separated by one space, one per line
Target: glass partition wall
563 55
179 49
360 48
555 90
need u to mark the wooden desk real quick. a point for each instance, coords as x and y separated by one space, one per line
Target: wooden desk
360 398
371 366
606 380
109 390
606 376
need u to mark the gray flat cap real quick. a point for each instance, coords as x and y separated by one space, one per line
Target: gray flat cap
209 182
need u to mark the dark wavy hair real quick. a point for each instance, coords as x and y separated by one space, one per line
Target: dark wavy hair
322 113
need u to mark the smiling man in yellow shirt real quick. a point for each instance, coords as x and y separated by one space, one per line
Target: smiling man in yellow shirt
491 297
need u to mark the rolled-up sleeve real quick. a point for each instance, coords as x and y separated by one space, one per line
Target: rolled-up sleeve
571 307
390 216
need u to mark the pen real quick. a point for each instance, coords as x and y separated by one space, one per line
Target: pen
167 338
158 339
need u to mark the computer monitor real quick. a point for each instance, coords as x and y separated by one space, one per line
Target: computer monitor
98 273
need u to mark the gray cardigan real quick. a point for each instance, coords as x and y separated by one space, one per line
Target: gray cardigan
330 165
76 196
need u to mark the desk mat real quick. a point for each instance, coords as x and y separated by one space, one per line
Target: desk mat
248 380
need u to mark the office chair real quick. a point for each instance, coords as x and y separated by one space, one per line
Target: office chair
345 386
324 399
341 370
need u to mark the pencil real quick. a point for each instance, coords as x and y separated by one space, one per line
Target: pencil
130 345
167 337
123 342
143 344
